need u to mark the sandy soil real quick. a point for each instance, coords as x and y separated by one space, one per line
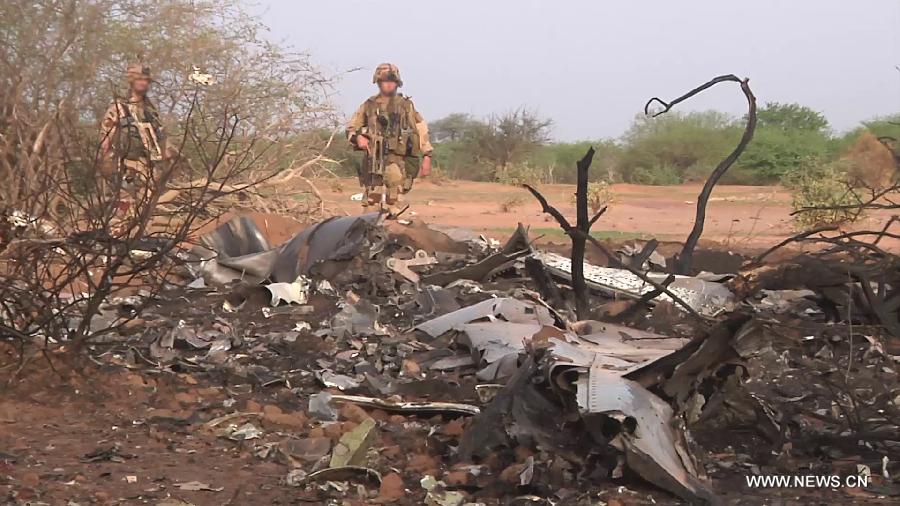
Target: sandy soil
739 217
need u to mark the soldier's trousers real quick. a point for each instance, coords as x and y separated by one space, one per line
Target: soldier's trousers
137 178
397 178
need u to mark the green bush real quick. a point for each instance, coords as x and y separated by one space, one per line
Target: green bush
560 160
661 150
658 175
519 174
775 153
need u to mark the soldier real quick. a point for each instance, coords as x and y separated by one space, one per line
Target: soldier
131 135
394 137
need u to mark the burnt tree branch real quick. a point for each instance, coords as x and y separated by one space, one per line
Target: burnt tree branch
583 224
580 235
684 260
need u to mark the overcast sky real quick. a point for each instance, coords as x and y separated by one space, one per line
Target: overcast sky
590 65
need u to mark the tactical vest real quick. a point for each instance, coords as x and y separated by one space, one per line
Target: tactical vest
131 145
395 123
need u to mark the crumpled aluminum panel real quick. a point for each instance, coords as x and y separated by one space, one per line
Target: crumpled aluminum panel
706 297
240 250
338 238
512 310
655 450
238 237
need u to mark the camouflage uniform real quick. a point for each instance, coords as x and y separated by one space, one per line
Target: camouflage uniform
136 136
397 132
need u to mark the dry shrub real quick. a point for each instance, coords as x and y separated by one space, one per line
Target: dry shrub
869 163
69 248
510 204
599 195
519 174
822 196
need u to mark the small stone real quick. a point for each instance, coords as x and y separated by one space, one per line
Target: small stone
379 415
397 419
310 449
271 409
354 413
457 478
422 464
319 407
453 428
186 398
31 480
134 380
316 432
522 453
392 488
294 420
187 378
391 452
354 443
131 326
252 407
615 308
333 431
210 392
160 413
411 368
511 473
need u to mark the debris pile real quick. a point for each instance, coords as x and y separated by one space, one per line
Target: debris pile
409 362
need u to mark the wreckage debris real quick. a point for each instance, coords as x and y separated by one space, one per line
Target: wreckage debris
587 370
708 297
420 407
385 334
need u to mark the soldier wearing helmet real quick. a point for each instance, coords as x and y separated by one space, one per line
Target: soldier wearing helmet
131 135
394 136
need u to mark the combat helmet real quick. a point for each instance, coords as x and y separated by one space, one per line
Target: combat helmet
136 71
387 72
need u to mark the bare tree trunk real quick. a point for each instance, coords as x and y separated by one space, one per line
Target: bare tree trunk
579 234
582 224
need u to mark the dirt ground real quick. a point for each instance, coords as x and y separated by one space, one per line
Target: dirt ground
738 218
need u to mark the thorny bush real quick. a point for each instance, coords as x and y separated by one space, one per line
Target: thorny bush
824 195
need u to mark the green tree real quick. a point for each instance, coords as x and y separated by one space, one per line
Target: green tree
676 147
789 137
453 127
508 138
886 126
557 160
791 117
